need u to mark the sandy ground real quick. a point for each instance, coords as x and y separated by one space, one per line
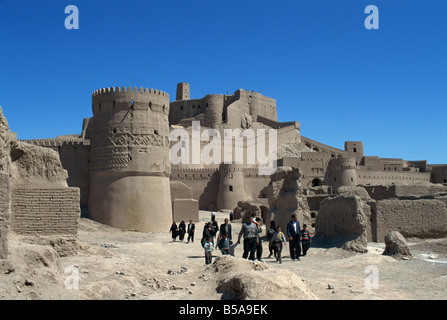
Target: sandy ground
114 264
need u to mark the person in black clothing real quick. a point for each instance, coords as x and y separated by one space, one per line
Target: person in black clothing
225 229
181 230
191 229
174 231
208 232
294 234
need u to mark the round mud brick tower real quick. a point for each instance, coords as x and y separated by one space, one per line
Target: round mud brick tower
129 160
343 172
231 186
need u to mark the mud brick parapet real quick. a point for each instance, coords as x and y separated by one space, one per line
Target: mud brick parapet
45 211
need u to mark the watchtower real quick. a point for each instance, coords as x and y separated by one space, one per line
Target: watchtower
231 186
355 149
341 172
182 91
129 159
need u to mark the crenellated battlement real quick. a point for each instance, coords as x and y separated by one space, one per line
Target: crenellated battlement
437 165
116 99
140 90
57 142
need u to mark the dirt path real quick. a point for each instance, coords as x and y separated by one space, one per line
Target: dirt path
114 264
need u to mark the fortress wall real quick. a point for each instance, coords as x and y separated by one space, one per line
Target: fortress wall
45 211
412 218
75 159
365 178
185 209
372 163
318 146
393 164
203 183
259 104
254 184
268 122
313 165
378 192
288 134
344 216
381 192
179 190
185 109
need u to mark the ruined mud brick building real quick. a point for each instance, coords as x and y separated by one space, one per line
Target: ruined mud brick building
35 198
121 159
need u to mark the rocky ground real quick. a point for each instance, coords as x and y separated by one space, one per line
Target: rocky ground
114 264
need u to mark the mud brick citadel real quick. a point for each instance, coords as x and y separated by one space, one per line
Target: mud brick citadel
121 160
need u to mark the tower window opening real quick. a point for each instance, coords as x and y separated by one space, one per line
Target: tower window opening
231 188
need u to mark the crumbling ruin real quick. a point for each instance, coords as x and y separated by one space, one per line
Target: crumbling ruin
35 197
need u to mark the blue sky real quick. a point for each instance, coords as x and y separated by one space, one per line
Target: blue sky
385 87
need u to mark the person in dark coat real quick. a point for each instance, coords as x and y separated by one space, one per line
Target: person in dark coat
174 231
208 232
181 230
294 234
225 229
191 229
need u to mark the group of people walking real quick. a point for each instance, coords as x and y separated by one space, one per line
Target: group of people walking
180 231
220 237
299 239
